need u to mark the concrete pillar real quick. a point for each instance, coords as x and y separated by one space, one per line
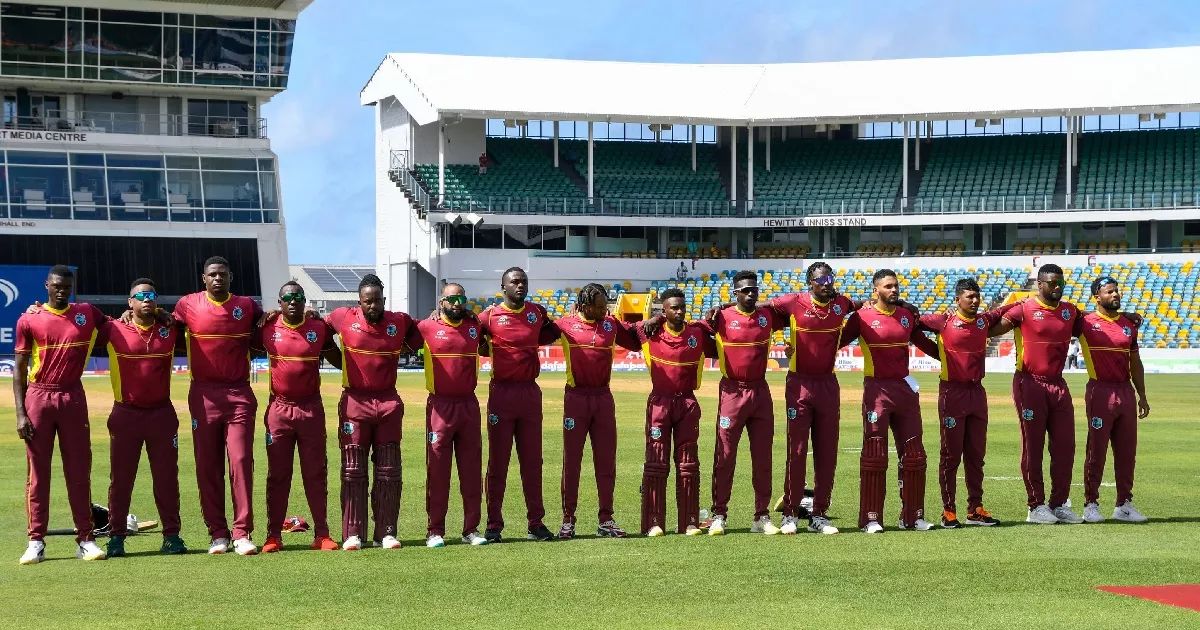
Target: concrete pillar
441 163
1070 126
733 163
749 165
904 167
591 184
692 132
917 148
556 144
768 149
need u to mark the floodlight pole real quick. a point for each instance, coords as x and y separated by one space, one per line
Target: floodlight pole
556 144
692 131
732 164
441 163
904 167
749 166
591 163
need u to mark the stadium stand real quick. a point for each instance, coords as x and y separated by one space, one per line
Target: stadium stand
878 250
649 170
1138 168
1013 172
1039 248
812 172
520 168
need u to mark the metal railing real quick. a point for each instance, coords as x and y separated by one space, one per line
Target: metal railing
142 124
175 211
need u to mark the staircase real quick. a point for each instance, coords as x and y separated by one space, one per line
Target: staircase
419 199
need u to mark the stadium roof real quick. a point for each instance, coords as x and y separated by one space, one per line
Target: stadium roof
950 88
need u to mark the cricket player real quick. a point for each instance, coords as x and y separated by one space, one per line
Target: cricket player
295 343
1044 326
589 336
52 346
962 339
884 330
743 338
674 352
371 412
452 421
1110 350
141 353
220 327
515 329
812 394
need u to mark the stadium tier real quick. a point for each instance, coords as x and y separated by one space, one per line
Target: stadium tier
815 171
1137 169
1016 171
519 168
650 170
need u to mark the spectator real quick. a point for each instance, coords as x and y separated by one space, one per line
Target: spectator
1073 354
681 272
714 250
483 163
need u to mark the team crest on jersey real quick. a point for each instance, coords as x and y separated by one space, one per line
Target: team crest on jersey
950 422
792 413
391 330
1128 333
347 428
433 437
872 416
979 323
724 422
692 341
1097 422
607 326
80 319
270 440
472 333
568 423
762 321
237 313
837 309
311 336
1066 314
904 321
1027 415
531 317
164 332
655 433
195 424
493 419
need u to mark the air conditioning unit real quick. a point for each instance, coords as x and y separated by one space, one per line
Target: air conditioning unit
995 121
980 123
1160 116
1143 117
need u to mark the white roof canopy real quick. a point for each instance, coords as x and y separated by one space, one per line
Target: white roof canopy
950 88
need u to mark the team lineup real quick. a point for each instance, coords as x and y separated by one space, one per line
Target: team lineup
219 331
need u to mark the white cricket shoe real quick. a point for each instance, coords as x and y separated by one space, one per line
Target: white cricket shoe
1041 515
1091 513
1064 515
692 530
34 553
390 542
873 527
244 547
1129 514
920 525
717 527
89 550
655 532
790 525
353 543
820 525
434 541
763 525
218 546
474 539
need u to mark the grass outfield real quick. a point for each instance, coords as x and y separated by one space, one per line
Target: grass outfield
1011 575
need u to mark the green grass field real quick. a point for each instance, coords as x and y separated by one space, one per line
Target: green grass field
1013 575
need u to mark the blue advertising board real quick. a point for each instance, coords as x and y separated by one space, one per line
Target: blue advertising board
20 286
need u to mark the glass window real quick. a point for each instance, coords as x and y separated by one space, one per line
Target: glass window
134 161
227 164
231 190
522 236
183 188
487 236
579 230
136 188
217 21
135 17
262 51
459 236
281 52
130 46
38 186
170 47
266 184
33 41
554 237
224 50
37 157
88 187
266 164
183 161
288 26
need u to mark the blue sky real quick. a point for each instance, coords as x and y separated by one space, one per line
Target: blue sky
324 137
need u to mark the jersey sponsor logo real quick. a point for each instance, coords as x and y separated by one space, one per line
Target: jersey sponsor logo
355 327
792 413
872 416
875 323
195 424
762 321
724 422
439 334
347 428
270 440
493 419
531 317
1097 422
979 323
1066 314
577 326
607 326
276 336
164 332
1097 326
733 323
391 330
502 320
433 437
655 433
693 342
80 319
472 333
568 423
1128 333
904 321
237 313
1027 415
950 422
311 336
1039 315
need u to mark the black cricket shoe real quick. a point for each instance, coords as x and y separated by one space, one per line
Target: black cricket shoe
950 520
492 536
540 534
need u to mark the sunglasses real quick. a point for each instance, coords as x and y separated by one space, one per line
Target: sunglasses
823 280
747 290
145 296
292 297
455 299
1053 283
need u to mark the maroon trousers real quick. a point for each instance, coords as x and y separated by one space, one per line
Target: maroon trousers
1112 416
743 406
1044 408
891 403
129 428
60 411
963 410
671 417
372 425
223 425
452 429
514 415
589 412
813 408
296 425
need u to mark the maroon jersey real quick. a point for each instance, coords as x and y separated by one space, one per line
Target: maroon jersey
515 336
588 347
884 337
1107 345
676 362
451 356
961 343
218 336
744 341
139 362
294 353
1042 334
815 327
370 351
58 342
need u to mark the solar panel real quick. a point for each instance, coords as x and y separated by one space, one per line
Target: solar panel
347 277
325 280
363 271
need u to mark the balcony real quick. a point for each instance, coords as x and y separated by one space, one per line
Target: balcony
35 127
